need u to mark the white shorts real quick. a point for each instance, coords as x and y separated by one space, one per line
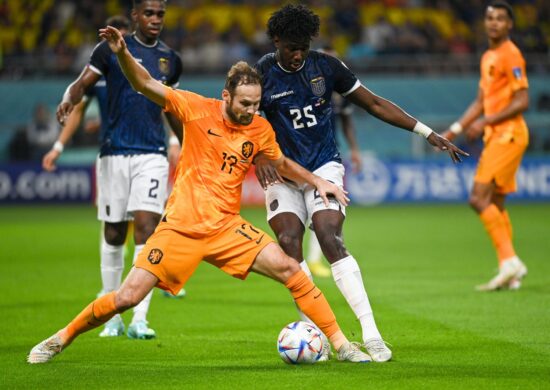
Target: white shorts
304 200
130 183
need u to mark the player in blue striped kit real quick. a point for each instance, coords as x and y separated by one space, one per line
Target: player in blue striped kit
132 168
296 99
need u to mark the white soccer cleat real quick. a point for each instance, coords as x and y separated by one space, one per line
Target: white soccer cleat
509 270
325 356
515 282
46 350
140 330
350 352
113 328
378 350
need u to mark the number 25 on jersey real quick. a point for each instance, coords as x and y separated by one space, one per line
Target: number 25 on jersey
303 118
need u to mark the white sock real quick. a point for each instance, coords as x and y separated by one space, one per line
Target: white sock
141 309
347 275
112 265
314 252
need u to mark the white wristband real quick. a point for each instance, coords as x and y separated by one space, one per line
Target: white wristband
58 146
174 141
456 128
422 129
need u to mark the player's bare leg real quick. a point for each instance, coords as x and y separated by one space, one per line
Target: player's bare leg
145 223
489 206
274 263
347 275
314 258
135 287
112 266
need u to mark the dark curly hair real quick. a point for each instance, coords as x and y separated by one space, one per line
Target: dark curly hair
293 23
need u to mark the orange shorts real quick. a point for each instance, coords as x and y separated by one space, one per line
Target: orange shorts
173 257
499 162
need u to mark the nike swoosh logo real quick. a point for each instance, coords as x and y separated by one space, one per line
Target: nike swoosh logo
317 296
260 239
212 133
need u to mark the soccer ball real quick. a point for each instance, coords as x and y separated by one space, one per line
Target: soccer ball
300 342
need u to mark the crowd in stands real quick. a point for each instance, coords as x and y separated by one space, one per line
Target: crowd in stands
56 36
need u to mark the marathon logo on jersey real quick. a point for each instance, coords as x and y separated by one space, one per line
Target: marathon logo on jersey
318 86
281 95
164 65
517 73
155 256
248 149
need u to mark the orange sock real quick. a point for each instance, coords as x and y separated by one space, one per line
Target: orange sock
95 314
313 304
495 225
506 217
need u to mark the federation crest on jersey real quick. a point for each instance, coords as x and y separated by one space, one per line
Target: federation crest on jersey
155 256
248 149
164 66
318 86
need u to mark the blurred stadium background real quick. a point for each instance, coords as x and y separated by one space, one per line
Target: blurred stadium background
423 55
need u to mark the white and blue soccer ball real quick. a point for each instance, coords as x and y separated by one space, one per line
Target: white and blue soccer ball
300 342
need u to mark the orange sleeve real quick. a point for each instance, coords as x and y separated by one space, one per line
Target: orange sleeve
183 104
515 70
269 146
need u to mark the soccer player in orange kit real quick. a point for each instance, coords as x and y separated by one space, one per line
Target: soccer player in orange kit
202 218
497 113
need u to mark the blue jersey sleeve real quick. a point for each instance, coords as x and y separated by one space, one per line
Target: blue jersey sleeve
99 60
178 70
345 81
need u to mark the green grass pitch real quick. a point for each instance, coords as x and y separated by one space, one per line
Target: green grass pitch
420 264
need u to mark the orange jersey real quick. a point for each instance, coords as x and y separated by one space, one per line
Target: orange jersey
214 159
502 74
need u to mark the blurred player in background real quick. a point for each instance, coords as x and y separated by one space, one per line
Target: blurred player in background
202 219
296 99
342 111
132 166
497 114
111 275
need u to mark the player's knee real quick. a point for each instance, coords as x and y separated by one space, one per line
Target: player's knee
126 299
287 267
290 242
476 203
114 238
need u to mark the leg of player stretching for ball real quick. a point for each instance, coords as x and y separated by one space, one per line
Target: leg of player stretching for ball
273 262
137 285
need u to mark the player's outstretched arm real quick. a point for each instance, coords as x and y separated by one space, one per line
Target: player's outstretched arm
291 170
140 79
71 125
391 113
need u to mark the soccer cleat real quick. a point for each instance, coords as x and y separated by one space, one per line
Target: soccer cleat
113 328
515 282
378 350
325 356
509 270
350 352
46 350
319 270
181 293
140 330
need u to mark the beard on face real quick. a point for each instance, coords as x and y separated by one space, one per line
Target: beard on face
243 119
